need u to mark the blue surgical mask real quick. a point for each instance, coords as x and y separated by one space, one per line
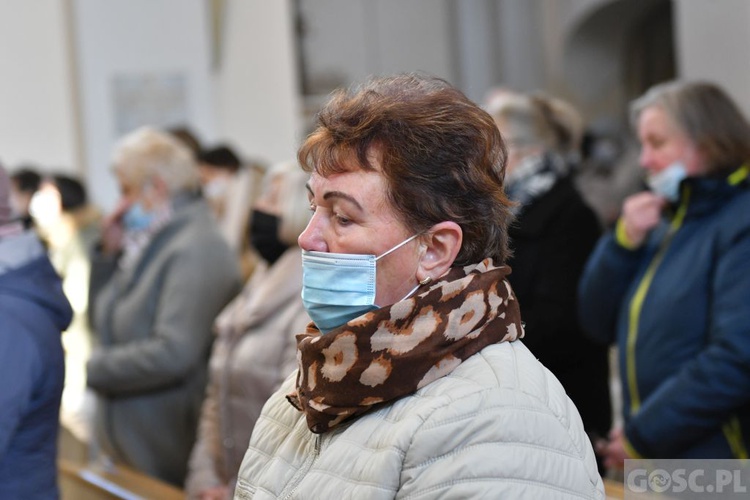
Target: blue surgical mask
338 287
667 182
137 218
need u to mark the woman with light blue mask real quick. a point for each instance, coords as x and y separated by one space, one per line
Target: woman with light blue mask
412 380
671 284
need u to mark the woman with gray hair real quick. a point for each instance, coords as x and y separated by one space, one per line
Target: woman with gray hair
671 283
162 275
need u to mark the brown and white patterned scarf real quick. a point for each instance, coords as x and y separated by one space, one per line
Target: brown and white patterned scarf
393 351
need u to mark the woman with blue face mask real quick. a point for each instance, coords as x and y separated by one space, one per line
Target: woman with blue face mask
412 380
670 284
159 278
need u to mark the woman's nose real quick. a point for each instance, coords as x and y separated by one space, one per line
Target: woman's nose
645 159
311 239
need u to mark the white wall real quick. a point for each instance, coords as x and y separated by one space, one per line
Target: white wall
136 39
345 41
257 96
713 42
37 115
252 99
348 40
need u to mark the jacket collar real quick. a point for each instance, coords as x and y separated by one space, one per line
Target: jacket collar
708 193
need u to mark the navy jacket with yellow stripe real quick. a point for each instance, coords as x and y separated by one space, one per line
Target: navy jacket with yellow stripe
679 309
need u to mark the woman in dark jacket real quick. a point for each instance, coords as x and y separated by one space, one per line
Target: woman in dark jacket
554 233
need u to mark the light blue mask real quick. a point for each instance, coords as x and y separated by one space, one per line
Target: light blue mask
338 287
136 218
667 182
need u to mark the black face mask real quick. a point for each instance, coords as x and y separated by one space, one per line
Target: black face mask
264 236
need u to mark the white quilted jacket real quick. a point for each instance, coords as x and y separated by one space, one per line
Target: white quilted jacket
499 426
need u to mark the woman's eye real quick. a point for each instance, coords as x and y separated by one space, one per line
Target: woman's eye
313 206
341 220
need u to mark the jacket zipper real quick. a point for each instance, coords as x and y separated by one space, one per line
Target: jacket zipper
636 303
291 488
733 434
733 429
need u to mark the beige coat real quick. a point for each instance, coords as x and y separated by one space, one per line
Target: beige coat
254 351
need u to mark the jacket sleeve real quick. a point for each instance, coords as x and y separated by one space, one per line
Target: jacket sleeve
102 269
703 395
202 468
196 286
19 365
603 286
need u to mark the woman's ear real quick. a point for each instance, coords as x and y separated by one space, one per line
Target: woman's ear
695 161
442 243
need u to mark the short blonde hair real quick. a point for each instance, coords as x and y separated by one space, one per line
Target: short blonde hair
295 206
147 153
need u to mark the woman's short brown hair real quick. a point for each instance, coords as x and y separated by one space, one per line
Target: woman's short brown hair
708 116
441 155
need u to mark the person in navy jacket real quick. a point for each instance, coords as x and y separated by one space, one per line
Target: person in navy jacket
671 283
33 314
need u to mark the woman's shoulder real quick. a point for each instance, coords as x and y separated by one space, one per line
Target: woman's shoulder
500 399
738 204
507 371
730 221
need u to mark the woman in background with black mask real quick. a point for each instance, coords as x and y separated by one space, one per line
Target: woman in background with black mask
255 348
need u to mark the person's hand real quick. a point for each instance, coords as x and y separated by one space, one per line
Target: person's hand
112 228
641 213
613 451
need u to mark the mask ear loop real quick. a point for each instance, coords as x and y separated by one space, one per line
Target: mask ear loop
407 240
422 283
427 280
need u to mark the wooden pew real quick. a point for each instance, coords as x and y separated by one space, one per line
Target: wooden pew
117 482
613 490
96 482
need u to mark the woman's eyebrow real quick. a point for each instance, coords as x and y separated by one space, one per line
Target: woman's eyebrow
339 194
